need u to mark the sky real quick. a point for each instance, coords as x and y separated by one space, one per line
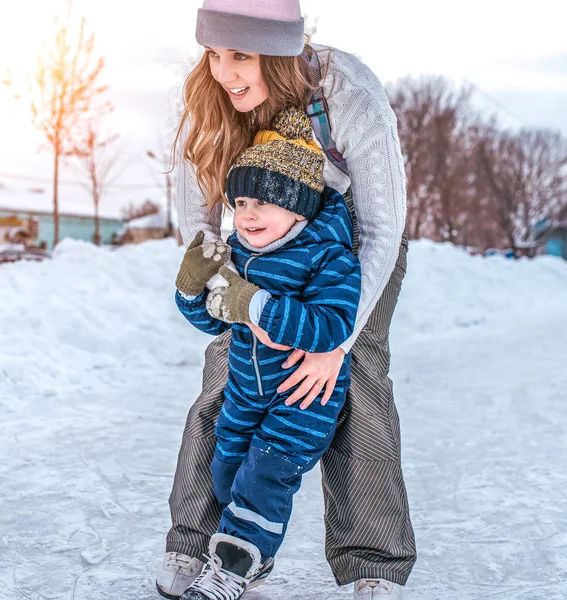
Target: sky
514 53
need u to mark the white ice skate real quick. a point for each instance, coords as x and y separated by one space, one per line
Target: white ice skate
176 573
232 566
377 589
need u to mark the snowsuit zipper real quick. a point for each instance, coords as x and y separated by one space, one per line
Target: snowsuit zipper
254 338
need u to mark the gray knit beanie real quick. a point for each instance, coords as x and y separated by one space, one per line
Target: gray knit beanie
269 27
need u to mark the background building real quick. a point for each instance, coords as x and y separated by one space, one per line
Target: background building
76 226
31 209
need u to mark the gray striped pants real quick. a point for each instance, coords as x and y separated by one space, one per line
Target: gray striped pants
368 528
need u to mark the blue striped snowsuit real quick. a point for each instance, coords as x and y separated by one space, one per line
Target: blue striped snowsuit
263 446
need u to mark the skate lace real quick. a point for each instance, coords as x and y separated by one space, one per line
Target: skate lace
213 579
174 558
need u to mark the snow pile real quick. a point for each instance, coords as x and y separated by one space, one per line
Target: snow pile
65 320
446 287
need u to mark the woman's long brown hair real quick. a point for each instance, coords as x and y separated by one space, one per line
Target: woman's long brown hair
218 133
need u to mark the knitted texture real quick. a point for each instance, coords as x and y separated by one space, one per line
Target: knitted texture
280 10
199 264
274 188
231 304
270 27
365 130
293 160
283 167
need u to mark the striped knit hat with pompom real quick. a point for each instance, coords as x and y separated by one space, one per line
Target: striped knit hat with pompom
283 167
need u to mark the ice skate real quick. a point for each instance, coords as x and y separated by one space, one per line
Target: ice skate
232 567
176 573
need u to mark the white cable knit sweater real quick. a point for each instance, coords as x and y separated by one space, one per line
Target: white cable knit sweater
364 129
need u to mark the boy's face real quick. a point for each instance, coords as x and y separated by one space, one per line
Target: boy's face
260 223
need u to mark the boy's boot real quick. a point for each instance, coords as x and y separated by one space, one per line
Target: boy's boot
176 573
377 589
232 566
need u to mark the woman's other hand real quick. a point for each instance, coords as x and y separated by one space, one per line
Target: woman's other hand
317 371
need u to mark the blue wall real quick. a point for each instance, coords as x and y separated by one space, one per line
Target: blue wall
556 245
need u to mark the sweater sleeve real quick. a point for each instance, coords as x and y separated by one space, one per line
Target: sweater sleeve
194 215
195 311
323 317
365 132
192 211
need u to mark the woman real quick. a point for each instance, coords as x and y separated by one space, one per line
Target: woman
255 65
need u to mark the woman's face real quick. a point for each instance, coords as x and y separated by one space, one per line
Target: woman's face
240 75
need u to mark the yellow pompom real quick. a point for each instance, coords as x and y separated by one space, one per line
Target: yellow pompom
293 124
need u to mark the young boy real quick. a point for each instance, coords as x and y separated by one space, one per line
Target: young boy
297 286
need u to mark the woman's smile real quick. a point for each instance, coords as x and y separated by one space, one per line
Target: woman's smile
237 93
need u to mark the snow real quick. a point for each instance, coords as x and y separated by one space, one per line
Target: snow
98 369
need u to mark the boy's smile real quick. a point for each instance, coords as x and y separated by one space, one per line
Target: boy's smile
254 230
260 223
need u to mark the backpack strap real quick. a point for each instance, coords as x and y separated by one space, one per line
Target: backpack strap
317 111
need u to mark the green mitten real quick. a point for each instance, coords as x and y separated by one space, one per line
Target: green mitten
200 263
231 304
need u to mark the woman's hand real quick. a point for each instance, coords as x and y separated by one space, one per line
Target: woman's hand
263 337
318 371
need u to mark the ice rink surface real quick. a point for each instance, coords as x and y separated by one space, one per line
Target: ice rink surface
97 372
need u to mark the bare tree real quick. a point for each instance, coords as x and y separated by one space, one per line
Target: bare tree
526 174
414 101
97 166
543 153
433 122
66 82
482 228
452 189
